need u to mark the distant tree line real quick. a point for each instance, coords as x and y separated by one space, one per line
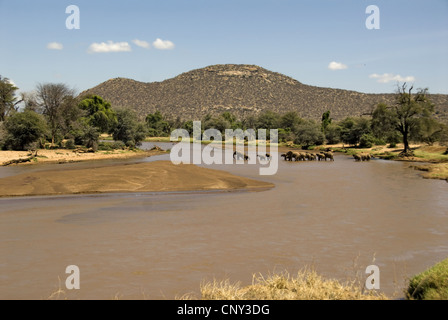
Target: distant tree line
53 116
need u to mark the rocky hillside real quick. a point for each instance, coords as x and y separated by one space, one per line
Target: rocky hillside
242 90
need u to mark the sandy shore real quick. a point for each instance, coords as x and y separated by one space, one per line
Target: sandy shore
65 156
143 177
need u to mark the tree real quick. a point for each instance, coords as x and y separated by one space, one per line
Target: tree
30 101
308 134
128 129
326 120
99 113
428 130
382 126
268 120
290 121
406 114
55 100
157 125
333 133
23 129
8 99
218 123
353 128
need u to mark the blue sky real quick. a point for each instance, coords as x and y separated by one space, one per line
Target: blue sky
317 42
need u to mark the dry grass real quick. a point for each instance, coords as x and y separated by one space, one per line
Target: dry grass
434 171
306 285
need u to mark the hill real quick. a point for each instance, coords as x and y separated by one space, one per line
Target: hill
242 90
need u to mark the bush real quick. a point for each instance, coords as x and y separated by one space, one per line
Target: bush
128 129
367 141
110 146
70 144
23 129
431 284
309 134
392 145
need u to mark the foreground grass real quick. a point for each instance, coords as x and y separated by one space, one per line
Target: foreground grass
431 284
306 285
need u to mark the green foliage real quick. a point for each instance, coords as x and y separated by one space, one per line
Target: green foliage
99 113
290 121
406 116
333 133
8 99
128 129
431 284
326 120
309 133
229 117
58 105
23 129
366 141
157 125
353 128
268 120
428 130
188 125
111 146
218 123
70 144
285 135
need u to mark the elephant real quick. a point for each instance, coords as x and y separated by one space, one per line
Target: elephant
266 157
287 156
329 155
239 155
310 156
365 156
320 156
357 157
299 156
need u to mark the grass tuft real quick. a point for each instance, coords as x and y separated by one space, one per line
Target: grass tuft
306 285
431 284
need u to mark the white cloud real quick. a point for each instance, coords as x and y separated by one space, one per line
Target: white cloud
337 66
110 46
163 44
55 46
141 43
388 77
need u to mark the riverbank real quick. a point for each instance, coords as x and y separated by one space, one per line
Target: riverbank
67 156
433 159
159 176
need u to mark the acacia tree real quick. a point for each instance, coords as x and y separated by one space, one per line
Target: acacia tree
406 114
56 102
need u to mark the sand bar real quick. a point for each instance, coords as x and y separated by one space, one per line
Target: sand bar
158 176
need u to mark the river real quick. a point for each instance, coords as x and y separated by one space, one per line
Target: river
338 217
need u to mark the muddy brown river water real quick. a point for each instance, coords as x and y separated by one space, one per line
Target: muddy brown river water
337 216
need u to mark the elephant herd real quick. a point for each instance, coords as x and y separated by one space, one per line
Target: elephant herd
303 156
306 156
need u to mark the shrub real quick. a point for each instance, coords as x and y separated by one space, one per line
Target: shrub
23 129
70 144
110 146
431 284
308 134
366 141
